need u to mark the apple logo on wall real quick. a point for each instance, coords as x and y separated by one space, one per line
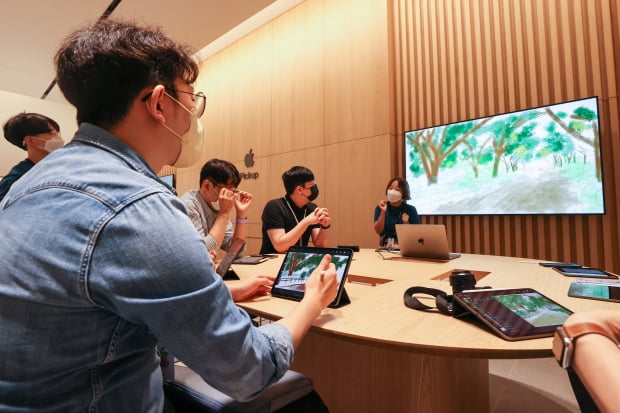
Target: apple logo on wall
249 159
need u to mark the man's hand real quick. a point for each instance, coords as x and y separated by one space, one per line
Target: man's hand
318 216
257 285
213 255
322 285
226 200
242 203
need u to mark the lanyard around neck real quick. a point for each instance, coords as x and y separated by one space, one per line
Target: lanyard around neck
295 216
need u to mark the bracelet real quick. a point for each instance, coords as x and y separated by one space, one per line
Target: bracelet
242 220
327 227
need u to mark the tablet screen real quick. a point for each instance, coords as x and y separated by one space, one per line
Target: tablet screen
595 291
515 314
300 262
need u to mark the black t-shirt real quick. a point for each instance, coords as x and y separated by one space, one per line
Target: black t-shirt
277 214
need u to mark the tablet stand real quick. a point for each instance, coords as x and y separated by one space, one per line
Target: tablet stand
344 300
230 275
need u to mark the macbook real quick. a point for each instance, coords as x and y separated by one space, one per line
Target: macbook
424 241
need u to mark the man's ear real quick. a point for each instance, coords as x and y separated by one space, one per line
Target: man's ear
28 141
155 104
205 184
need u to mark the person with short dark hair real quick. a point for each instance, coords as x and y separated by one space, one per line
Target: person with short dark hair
101 262
211 205
293 219
394 210
38 135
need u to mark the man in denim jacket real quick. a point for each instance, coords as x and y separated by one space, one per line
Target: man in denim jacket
100 261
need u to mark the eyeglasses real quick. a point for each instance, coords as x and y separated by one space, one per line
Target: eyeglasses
198 99
230 187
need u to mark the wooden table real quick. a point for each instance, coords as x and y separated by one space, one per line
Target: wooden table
376 355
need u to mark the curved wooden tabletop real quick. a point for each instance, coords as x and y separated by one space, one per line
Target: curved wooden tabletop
378 317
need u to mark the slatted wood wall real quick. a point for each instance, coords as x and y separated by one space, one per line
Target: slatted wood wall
461 59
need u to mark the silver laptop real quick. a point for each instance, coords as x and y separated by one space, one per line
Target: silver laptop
424 241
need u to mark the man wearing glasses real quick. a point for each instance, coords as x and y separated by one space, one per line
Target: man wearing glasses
102 262
38 135
211 206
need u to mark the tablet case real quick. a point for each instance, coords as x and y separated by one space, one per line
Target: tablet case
513 314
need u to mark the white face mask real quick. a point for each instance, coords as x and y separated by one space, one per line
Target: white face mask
53 144
394 196
191 141
215 204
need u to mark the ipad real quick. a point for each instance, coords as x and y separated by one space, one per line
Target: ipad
558 264
595 291
249 260
300 262
584 272
516 313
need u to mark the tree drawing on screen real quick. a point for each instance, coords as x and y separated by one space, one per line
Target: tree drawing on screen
545 160
299 267
534 308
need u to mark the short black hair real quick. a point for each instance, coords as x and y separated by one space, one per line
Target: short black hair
296 176
220 172
403 185
27 124
103 67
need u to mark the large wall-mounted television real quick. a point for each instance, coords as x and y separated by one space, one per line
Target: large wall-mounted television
544 160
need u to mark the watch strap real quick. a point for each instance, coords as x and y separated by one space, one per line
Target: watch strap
579 329
565 337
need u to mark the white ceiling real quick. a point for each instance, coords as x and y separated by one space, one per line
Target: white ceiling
31 30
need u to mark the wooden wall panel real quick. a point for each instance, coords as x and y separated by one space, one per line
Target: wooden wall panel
297 94
350 198
251 106
460 60
357 88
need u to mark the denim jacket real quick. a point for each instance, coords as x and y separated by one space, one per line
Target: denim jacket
100 263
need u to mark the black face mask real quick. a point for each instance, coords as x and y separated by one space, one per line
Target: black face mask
314 192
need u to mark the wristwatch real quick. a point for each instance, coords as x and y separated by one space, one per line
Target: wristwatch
565 336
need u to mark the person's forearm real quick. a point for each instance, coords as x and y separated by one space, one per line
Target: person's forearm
380 223
596 361
299 321
218 230
319 237
241 230
288 239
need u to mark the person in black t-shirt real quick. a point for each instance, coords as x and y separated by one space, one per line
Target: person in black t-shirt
293 219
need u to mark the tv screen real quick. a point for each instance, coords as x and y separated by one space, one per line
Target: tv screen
168 179
544 160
